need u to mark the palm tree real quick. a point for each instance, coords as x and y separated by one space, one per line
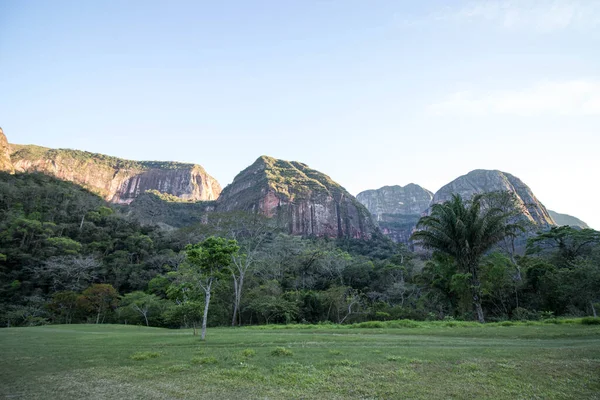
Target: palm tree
465 231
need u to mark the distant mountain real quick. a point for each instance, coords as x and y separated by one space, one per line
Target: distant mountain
302 200
397 209
408 200
115 179
486 181
565 219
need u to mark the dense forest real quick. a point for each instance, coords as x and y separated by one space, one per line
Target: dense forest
67 256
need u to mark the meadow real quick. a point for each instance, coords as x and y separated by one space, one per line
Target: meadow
395 360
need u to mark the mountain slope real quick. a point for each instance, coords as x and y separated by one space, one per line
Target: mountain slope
566 219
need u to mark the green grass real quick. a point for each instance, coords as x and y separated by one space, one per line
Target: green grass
422 361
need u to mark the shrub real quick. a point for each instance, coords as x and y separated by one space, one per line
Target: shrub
523 314
178 368
343 363
248 353
404 323
282 351
144 355
590 321
396 358
369 325
382 316
204 360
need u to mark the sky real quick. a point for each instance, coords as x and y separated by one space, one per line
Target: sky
371 93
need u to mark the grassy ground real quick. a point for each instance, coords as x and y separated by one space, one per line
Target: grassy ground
423 362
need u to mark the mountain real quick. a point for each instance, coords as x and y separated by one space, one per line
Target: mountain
397 209
485 181
5 162
302 200
117 180
408 200
565 219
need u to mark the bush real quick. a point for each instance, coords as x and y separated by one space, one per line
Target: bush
144 355
404 323
282 351
248 353
523 314
369 325
590 321
204 360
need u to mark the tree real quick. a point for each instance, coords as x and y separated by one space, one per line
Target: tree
568 242
142 303
71 273
465 231
99 298
206 263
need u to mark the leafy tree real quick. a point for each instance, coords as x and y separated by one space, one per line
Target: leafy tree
465 231
142 303
568 242
63 305
99 298
207 261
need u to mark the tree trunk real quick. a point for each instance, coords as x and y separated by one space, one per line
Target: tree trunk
205 316
146 318
478 309
476 291
98 318
235 300
593 309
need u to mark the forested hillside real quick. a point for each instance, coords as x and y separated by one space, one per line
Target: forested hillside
68 256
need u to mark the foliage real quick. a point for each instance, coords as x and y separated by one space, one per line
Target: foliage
58 242
465 231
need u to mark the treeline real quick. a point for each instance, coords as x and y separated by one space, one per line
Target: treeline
68 257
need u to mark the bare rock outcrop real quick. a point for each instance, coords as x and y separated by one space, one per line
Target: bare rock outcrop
5 161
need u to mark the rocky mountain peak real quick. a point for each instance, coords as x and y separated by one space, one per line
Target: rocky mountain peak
485 181
303 200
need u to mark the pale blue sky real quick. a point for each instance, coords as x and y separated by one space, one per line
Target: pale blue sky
372 93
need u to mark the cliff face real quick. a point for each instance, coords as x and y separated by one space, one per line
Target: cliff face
397 209
5 162
485 181
566 219
117 180
408 200
303 200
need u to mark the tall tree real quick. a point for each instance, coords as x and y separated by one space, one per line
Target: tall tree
207 261
465 231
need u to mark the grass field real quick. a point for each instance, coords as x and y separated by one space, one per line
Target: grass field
423 362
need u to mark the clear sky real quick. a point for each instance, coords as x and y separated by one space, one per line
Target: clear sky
372 93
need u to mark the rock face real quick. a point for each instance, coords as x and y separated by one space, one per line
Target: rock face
566 219
117 180
485 181
397 209
5 162
301 199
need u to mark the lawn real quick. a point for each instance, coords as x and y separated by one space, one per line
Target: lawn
428 361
